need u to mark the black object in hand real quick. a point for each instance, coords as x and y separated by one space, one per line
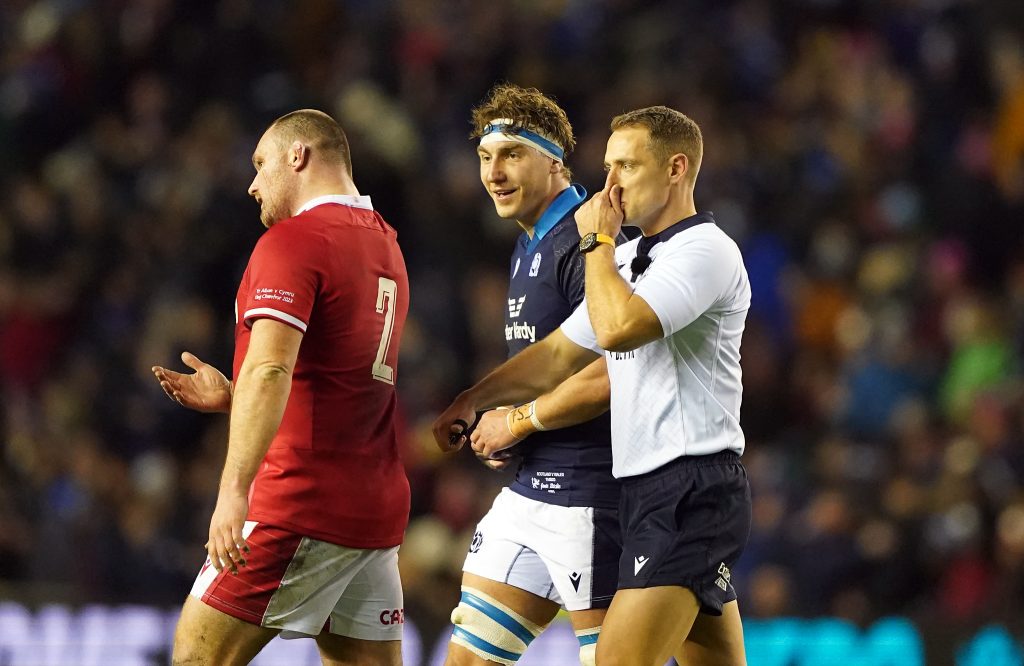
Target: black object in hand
453 438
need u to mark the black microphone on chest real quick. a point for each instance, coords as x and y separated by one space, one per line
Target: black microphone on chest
640 263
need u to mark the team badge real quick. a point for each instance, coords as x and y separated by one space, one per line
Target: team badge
535 266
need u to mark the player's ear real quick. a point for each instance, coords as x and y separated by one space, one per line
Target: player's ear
556 167
298 155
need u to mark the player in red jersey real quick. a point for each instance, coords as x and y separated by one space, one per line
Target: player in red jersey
313 500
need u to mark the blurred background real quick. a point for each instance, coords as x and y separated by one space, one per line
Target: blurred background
868 156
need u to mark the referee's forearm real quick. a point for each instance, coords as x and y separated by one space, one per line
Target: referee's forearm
608 297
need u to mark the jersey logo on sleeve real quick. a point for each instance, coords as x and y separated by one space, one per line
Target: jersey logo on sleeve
269 294
478 540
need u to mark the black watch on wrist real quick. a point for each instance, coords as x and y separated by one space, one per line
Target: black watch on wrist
592 240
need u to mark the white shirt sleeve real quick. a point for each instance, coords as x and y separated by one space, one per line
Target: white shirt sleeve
687 278
579 329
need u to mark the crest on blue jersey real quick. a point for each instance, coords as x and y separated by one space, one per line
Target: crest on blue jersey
516 269
535 266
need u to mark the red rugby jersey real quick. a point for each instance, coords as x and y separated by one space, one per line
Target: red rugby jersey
332 472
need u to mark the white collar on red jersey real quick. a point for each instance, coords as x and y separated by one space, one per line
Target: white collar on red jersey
354 200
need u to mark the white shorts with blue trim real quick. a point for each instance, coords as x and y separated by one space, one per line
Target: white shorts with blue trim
567 554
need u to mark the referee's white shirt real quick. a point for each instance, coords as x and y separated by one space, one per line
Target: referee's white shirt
680 395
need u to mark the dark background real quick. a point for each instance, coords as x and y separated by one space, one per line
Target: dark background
868 157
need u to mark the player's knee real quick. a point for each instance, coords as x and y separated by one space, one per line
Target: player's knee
588 645
184 655
491 630
606 654
187 652
185 661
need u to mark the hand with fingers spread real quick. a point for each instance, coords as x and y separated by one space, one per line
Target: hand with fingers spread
205 390
226 546
603 213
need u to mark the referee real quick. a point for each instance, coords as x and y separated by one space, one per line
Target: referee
667 310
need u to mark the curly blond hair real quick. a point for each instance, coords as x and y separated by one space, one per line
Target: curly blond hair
528 108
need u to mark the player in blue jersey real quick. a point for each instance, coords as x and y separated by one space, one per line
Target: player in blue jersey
550 539
667 312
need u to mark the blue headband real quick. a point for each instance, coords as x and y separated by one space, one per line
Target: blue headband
502 129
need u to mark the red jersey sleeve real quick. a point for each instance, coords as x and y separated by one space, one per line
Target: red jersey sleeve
283 277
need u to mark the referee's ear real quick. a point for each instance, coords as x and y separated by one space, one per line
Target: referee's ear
679 166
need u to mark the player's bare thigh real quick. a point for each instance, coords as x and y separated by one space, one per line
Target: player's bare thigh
644 627
338 650
207 637
715 641
536 609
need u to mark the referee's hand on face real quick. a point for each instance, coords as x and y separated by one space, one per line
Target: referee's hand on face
603 213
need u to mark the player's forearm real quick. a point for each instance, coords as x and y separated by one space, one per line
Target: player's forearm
536 370
579 398
514 382
258 403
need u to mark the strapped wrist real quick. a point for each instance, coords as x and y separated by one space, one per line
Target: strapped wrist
523 421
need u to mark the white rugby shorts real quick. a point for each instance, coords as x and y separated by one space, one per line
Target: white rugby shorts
567 554
305 586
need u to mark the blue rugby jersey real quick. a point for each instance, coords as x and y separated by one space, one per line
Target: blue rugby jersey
570 466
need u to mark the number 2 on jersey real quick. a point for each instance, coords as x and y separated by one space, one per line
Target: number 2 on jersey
387 289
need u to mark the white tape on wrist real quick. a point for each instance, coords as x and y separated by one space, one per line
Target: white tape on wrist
533 417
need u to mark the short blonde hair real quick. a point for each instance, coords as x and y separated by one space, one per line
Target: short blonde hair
671 132
324 135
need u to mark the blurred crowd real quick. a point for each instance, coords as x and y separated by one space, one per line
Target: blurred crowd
867 155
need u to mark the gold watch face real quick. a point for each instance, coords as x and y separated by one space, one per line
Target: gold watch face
588 242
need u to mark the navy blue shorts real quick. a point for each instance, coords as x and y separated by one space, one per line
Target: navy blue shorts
686 523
